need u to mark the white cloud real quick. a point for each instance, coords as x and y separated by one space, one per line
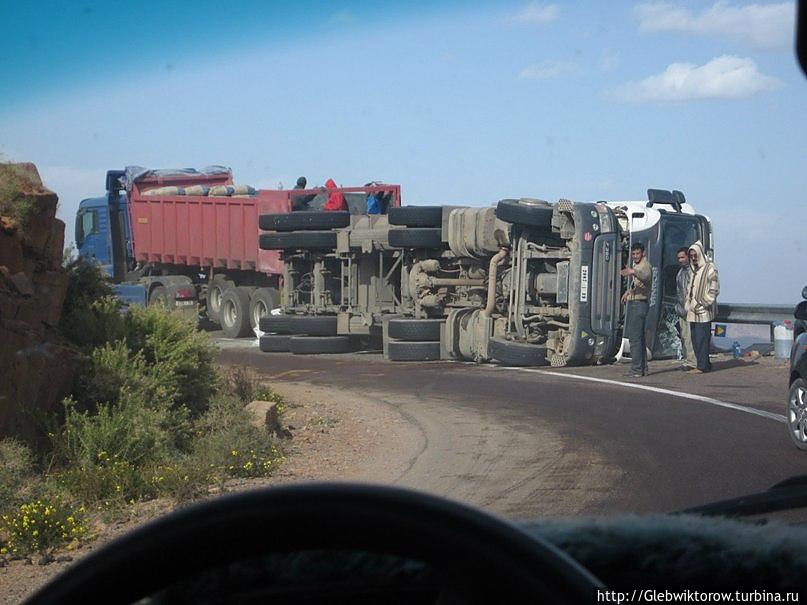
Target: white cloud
545 70
768 26
725 77
537 12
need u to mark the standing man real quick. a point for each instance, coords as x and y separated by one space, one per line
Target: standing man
682 280
701 305
636 298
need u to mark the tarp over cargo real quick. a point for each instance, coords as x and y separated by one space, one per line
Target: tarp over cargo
135 173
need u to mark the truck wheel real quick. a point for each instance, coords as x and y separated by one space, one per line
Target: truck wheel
292 240
313 345
261 302
402 350
235 312
292 221
275 324
215 291
312 325
303 325
416 216
415 238
525 212
158 296
797 402
512 353
274 343
418 330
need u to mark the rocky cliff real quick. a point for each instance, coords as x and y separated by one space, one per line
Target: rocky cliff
36 364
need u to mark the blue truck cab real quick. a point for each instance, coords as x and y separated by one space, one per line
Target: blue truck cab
104 235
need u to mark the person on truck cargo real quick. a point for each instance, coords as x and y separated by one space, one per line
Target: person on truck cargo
682 280
636 299
701 304
336 199
375 201
301 202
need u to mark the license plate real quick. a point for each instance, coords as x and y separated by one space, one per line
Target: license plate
584 283
185 303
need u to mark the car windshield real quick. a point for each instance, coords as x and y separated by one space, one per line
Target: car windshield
540 258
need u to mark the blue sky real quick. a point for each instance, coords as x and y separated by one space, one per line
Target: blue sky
458 102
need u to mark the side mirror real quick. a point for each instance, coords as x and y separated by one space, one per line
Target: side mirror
804 293
665 197
801 310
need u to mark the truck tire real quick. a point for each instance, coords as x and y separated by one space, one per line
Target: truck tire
402 350
415 330
158 297
415 238
274 343
275 324
218 286
235 312
525 212
303 221
314 345
512 353
416 216
312 325
302 325
293 240
261 302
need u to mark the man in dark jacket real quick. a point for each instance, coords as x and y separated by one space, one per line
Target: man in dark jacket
682 289
301 202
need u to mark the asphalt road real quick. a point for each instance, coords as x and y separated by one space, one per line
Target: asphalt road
543 442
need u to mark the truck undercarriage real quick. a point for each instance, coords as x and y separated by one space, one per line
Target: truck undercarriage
525 283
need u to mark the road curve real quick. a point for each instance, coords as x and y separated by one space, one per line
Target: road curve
532 444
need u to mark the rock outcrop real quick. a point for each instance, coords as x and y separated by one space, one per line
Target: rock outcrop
36 364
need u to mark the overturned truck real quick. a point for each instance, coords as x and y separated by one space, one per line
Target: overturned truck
524 283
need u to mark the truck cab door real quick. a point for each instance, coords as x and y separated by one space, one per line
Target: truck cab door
677 231
92 236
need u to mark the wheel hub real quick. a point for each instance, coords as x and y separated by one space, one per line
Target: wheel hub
799 412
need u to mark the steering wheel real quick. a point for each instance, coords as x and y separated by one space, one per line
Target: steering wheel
487 557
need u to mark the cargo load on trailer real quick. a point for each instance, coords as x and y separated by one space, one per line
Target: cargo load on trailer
188 239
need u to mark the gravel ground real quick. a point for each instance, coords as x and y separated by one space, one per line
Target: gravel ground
335 435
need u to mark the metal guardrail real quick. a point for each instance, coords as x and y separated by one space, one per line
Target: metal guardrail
753 314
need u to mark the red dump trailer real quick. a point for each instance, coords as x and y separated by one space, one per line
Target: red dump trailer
189 239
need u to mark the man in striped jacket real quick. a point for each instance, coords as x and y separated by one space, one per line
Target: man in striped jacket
701 304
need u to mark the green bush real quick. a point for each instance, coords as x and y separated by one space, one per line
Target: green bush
16 471
93 325
113 369
183 357
128 431
184 479
39 525
112 481
246 386
228 443
90 314
241 383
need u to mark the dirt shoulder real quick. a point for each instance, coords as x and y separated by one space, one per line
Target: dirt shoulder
335 435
